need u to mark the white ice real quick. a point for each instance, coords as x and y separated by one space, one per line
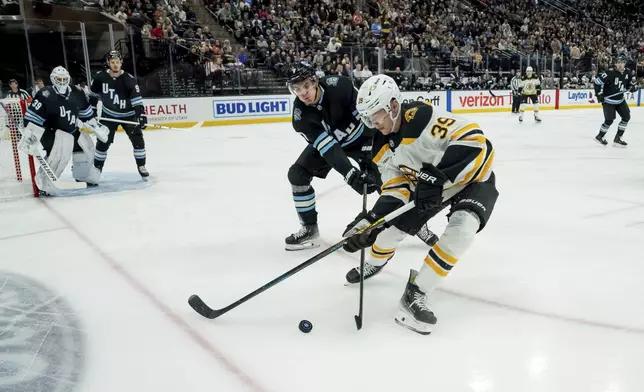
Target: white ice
549 298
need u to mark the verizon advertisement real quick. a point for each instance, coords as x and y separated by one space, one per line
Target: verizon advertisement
572 99
501 101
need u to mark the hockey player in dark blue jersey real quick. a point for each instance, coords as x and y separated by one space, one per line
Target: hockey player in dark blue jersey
610 87
325 115
121 99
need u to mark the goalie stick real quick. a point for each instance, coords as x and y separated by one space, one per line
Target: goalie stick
200 306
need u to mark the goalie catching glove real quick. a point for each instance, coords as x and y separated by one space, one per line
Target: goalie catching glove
101 131
362 240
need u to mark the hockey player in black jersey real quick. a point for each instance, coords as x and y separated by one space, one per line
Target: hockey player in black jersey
325 115
610 87
54 119
121 99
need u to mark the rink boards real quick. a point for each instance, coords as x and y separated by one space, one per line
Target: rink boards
232 110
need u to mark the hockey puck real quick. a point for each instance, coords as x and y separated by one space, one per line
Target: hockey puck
305 326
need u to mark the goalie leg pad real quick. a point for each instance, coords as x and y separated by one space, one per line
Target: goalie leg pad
61 152
83 169
58 159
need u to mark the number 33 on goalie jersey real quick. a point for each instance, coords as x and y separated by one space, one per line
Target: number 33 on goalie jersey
452 144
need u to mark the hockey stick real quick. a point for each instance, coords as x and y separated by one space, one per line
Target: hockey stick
200 306
52 176
99 114
358 317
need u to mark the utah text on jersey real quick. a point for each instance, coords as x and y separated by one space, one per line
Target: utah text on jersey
455 146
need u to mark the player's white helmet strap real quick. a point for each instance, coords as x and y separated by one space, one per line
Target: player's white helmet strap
375 94
60 79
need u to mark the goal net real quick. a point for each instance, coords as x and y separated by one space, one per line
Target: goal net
17 171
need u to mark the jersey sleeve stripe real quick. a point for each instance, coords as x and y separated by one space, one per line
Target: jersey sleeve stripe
34 118
463 130
471 133
324 142
485 171
599 81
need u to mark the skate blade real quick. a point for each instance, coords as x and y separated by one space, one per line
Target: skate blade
618 145
304 246
600 143
406 320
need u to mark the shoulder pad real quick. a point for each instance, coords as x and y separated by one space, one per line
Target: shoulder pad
416 116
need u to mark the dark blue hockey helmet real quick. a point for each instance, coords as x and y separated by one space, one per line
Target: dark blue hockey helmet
299 72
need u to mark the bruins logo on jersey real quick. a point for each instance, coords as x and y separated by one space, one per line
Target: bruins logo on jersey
409 173
410 114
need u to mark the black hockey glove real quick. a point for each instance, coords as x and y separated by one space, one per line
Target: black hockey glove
143 120
364 240
356 180
600 97
633 89
429 190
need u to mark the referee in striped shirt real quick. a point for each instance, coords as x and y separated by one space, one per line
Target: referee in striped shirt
515 84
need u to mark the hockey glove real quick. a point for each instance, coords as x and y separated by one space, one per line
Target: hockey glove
600 97
143 121
633 89
357 179
363 240
429 190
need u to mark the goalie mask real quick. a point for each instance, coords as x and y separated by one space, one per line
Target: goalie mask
60 80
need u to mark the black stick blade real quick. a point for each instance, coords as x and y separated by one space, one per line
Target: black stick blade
200 307
358 322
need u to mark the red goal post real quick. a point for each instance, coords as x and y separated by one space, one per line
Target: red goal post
17 170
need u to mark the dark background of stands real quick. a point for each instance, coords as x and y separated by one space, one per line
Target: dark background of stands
213 47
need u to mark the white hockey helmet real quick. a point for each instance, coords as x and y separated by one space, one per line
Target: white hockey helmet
60 79
376 93
529 70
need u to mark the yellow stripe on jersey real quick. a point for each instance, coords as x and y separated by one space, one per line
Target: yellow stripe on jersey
399 180
464 130
486 168
380 153
408 140
397 187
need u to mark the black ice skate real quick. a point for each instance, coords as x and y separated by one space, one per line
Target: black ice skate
353 276
306 238
537 118
143 172
427 236
601 140
618 142
413 312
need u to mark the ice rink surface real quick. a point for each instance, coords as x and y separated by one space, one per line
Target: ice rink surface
549 298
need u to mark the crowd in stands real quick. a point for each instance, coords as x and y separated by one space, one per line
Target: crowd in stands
425 43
